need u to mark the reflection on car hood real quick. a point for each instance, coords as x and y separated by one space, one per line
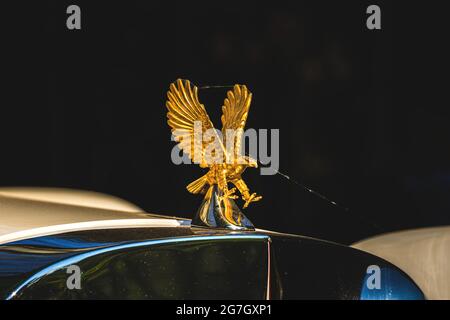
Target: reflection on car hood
32 212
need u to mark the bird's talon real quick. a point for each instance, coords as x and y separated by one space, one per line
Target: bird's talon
253 198
229 194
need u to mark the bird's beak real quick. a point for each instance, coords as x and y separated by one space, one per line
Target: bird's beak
253 164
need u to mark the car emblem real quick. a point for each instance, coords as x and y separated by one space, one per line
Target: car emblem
218 151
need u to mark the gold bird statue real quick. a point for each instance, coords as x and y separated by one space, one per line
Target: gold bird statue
220 152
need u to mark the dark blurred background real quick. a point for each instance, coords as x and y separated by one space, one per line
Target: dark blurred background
86 109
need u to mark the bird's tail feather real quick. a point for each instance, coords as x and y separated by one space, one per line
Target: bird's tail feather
199 185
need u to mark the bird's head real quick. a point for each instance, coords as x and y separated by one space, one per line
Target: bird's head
251 163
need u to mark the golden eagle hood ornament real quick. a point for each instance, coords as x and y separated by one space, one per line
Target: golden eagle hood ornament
220 152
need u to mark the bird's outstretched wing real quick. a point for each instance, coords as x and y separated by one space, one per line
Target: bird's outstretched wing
235 110
185 112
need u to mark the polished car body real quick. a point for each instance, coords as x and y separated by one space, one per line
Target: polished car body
423 253
126 253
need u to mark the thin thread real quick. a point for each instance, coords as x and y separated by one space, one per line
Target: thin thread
321 196
215 87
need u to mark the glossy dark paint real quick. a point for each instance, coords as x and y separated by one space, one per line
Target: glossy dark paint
189 263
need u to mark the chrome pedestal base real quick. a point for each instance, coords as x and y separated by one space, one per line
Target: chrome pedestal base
224 214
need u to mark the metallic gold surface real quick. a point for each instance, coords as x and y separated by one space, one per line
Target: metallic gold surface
226 163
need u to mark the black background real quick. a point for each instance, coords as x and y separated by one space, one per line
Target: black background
362 114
